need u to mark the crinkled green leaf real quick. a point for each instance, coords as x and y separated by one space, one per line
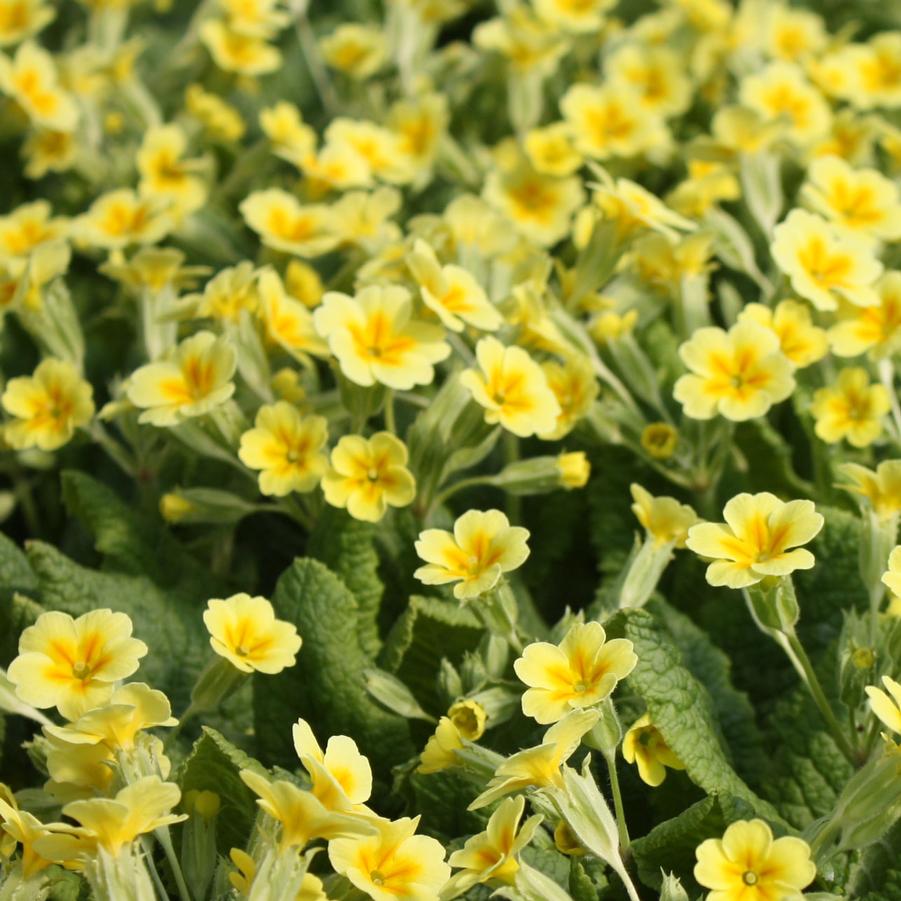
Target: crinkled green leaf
17 613
15 572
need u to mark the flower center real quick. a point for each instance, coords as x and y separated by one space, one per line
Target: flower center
373 475
580 687
377 877
749 877
81 670
241 651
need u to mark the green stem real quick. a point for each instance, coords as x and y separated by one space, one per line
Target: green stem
621 827
390 420
165 840
310 50
443 496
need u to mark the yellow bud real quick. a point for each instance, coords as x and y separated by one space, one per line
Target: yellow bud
303 282
659 439
574 469
469 717
286 384
204 803
174 508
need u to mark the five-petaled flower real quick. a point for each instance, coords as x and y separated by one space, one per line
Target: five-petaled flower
645 746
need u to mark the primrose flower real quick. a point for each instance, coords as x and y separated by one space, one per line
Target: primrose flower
580 672
482 547
27 227
451 292
512 388
121 217
492 856
799 339
376 340
288 321
659 440
287 448
245 631
19 827
228 294
72 664
246 870
341 775
31 79
237 51
574 469
739 374
48 406
165 174
748 864
439 751
892 577
539 766
875 329
20 19
394 863
469 717
853 409
356 50
220 120
194 380
761 537
47 150
551 151
285 224
825 262
881 488
579 18
576 388
368 475
655 74
644 746
665 519
886 706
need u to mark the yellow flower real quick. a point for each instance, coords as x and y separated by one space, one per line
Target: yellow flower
48 150
311 888
482 547
228 294
376 340
234 51
153 269
356 50
287 449
163 173
219 119
611 120
376 146
368 475
304 283
551 152
862 200
579 17
363 218
644 746
48 406
439 751
739 374
20 19
576 388
875 329
580 672
825 262
574 468
881 488
800 340
288 322
341 775
660 440
419 124
30 78
469 717
392 864
492 856
530 44
174 508
512 388
119 218
738 129
793 35
886 706
760 538
19 827
194 380
451 292
748 864
892 577
666 520
292 139
539 766
71 664
27 227
655 74
283 223
852 409
244 630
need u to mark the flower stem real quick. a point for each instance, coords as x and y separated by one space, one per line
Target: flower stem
621 827
390 420
165 840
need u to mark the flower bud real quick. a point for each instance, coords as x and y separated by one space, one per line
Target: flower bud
671 889
659 440
540 475
469 717
204 505
198 840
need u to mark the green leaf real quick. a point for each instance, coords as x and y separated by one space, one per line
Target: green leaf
670 846
17 613
327 685
347 547
15 573
680 707
442 798
769 459
429 629
214 765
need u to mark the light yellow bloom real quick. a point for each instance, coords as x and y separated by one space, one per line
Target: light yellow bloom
263 18
194 380
245 631
853 409
377 146
220 120
304 283
48 150
892 577
165 174
800 340
368 475
492 856
341 775
577 16
665 519
354 49
512 388
574 469
580 672
283 223
644 746
531 45
886 706
469 717
738 129
657 75
451 292
881 488
287 448
72 664
419 124
760 538
793 35
86 770
576 388
363 218
660 440
48 406
20 19
31 79
551 151
482 547
875 329
392 864
292 139
19 827
288 320
539 766
311 888
739 374
748 864
228 294
825 262
234 51
27 227
119 218
439 751
376 340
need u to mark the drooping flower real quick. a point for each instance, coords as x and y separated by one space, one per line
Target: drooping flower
580 672
244 630
853 408
469 717
73 664
482 547
31 79
440 750
748 864
48 406
19 827
376 340
665 519
880 488
288 321
761 537
644 746
886 706
287 448
368 475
